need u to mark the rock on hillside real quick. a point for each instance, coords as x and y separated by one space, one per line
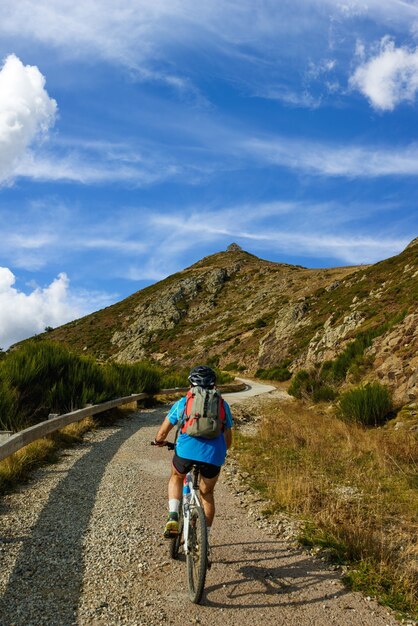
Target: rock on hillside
238 310
395 359
155 316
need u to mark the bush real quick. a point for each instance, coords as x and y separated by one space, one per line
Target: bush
367 404
260 323
171 379
300 384
234 366
324 393
8 417
44 377
278 372
312 384
274 373
213 361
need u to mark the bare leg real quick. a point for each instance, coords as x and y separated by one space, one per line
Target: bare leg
175 485
207 485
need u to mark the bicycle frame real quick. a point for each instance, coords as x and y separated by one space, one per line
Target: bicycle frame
191 480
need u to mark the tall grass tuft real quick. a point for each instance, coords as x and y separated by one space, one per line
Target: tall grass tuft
45 377
367 404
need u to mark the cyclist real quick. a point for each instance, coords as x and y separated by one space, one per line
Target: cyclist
208 454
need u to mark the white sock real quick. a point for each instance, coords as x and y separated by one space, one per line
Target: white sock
173 505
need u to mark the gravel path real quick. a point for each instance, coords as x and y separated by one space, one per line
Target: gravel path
82 544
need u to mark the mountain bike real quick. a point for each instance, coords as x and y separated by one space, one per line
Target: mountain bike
192 537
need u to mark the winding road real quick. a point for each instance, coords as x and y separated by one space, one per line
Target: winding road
81 544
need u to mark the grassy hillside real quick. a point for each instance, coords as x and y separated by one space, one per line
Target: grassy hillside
249 314
242 308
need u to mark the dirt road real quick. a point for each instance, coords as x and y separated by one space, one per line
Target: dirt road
82 544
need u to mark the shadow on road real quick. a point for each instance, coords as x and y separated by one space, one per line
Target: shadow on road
264 575
49 569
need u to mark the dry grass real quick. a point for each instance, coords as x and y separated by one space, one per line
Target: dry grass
356 487
17 467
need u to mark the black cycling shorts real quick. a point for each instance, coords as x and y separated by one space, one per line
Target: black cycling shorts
183 466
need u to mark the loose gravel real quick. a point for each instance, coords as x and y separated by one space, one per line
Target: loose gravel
81 544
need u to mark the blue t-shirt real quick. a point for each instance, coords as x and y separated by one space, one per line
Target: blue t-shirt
197 448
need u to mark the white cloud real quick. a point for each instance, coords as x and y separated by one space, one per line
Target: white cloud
78 168
242 223
389 78
76 160
26 112
155 38
23 315
334 160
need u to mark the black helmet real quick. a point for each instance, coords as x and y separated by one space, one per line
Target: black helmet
202 376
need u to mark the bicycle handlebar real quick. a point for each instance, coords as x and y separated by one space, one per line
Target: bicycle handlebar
164 444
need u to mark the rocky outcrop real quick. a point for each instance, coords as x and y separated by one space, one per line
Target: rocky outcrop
274 345
414 242
234 247
396 360
330 340
155 316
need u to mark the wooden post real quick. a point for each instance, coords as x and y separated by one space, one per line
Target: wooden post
4 435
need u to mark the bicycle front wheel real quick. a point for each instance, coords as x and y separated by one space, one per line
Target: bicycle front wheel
197 557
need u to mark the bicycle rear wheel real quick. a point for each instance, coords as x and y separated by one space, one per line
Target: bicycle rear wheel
197 557
176 541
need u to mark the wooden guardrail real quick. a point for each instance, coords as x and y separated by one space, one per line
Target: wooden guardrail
21 439
15 442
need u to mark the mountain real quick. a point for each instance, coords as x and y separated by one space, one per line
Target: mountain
242 311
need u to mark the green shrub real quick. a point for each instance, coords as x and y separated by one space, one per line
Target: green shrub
274 373
45 377
312 384
301 384
367 404
8 417
278 372
234 366
223 377
171 379
260 323
213 361
354 351
324 393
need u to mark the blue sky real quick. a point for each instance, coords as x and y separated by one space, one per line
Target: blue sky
137 137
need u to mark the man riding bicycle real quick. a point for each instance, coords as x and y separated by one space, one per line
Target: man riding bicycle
208 454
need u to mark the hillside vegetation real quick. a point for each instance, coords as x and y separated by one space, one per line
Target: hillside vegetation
43 377
355 489
248 314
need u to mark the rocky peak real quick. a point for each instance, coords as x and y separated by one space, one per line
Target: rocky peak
414 242
234 247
